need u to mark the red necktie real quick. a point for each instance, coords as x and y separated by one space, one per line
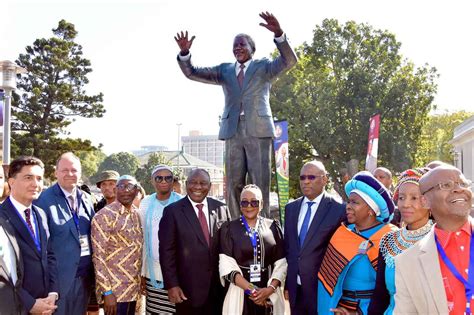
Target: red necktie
240 76
28 221
203 222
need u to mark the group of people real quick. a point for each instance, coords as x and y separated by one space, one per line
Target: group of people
63 253
188 255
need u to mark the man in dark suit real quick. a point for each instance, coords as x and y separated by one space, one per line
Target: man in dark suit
39 288
69 213
189 248
246 124
310 222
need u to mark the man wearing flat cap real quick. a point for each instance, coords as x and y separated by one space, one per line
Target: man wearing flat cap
117 242
436 275
151 211
106 183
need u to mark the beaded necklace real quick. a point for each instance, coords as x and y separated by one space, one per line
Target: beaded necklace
394 243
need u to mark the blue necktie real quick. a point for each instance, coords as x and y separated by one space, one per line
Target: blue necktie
304 227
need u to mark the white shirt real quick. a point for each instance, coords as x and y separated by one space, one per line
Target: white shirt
20 208
7 253
304 208
73 194
204 209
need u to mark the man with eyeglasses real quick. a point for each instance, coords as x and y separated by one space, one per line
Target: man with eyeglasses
189 248
117 241
70 212
436 275
151 212
310 222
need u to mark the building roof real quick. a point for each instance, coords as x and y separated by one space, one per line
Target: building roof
185 160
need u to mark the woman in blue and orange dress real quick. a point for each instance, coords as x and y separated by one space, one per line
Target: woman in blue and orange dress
346 279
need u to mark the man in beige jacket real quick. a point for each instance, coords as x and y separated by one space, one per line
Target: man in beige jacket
420 270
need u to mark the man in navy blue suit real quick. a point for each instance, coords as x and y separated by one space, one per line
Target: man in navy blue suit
310 222
39 288
69 213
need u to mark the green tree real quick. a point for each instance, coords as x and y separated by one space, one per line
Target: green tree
124 163
90 161
435 137
346 75
143 173
52 94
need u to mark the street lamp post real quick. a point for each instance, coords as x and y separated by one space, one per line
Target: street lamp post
8 71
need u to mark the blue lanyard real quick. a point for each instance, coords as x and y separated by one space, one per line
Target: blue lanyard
468 285
253 236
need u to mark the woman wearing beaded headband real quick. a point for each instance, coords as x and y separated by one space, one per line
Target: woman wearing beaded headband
252 259
346 279
416 224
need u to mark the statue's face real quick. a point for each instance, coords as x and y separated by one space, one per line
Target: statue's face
242 50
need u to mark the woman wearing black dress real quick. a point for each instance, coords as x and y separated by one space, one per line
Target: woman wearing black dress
252 260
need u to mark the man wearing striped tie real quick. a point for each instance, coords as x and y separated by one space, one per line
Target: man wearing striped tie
39 290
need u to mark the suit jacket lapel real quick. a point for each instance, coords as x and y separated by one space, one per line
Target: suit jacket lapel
64 209
429 262
321 212
248 74
20 226
41 230
294 217
190 215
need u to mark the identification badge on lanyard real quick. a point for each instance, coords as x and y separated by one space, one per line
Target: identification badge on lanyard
255 273
84 241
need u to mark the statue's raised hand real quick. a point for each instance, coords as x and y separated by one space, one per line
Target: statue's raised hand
183 42
271 24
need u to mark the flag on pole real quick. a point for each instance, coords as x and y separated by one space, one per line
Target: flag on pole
280 145
373 145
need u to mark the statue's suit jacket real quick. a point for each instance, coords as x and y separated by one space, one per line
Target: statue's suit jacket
418 279
9 291
64 235
39 267
253 97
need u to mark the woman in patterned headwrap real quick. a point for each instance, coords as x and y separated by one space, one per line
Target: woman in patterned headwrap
346 279
416 224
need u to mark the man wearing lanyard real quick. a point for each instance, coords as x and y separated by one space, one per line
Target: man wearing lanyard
436 275
39 288
69 214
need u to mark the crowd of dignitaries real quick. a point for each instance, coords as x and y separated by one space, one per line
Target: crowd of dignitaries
188 256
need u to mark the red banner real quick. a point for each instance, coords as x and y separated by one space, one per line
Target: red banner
373 145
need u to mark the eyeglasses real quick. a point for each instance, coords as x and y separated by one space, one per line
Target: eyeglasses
167 178
127 187
310 177
251 203
449 185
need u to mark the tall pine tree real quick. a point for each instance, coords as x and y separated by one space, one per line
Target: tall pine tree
52 96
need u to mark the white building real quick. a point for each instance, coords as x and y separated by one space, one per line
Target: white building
205 147
463 145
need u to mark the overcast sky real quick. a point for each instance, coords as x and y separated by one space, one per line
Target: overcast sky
133 54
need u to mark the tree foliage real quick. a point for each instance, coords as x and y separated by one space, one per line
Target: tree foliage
52 94
143 173
124 163
346 75
90 161
435 137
